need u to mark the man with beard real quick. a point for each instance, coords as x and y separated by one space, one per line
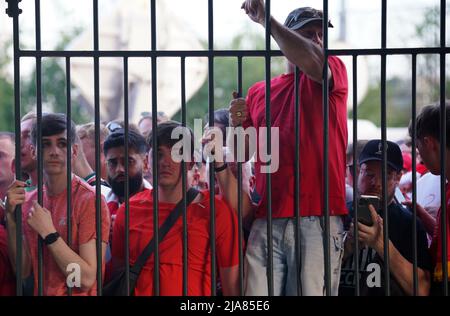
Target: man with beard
370 235
114 149
170 192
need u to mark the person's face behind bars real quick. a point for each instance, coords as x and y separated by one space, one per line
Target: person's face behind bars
27 161
54 154
169 171
429 150
6 158
370 180
313 32
137 165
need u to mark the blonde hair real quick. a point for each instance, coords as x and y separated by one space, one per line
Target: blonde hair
88 131
29 116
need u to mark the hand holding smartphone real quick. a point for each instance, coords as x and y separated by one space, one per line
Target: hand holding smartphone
364 216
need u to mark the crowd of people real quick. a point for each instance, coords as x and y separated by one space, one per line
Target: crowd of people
298 261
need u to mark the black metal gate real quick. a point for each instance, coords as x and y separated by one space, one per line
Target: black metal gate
14 12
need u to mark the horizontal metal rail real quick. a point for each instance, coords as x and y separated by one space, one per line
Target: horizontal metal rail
227 53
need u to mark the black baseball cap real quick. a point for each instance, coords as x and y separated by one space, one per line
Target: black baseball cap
302 16
374 151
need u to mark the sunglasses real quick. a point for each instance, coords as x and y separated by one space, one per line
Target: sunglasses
113 126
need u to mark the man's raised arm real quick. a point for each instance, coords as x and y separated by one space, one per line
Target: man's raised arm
307 54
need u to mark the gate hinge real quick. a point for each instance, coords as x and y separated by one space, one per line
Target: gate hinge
13 8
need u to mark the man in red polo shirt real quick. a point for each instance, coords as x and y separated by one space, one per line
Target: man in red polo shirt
300 40
429 146
171 247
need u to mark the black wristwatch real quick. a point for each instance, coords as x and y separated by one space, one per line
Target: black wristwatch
221 168
51 238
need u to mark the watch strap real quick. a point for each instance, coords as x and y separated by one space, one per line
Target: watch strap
51 238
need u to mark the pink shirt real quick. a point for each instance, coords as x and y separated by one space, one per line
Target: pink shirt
83 230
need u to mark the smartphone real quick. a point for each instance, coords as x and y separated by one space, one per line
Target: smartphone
363 208
399 195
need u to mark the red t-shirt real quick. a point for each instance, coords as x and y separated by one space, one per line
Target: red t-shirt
282 104
407 161
421 168
436 245
83 231
7 279
171 247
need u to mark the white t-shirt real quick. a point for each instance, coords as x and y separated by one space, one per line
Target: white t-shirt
429 193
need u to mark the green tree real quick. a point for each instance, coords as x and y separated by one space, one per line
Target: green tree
398 103
225 77
429 65
6 105
6 91
398 90
53 85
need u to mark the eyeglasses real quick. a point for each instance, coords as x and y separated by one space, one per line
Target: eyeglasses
372 174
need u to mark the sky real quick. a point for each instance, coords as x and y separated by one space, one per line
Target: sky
363 21
363 17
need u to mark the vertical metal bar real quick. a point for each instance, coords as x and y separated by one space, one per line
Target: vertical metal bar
414 176
69 161
326 245
155 151
239 77
98 218
298 254
268 60
127 180
40 248
211 164
239 195
183 173
355 164
383 138
443 153
17 116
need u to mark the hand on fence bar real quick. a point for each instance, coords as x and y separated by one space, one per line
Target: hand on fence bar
15 196
238 110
